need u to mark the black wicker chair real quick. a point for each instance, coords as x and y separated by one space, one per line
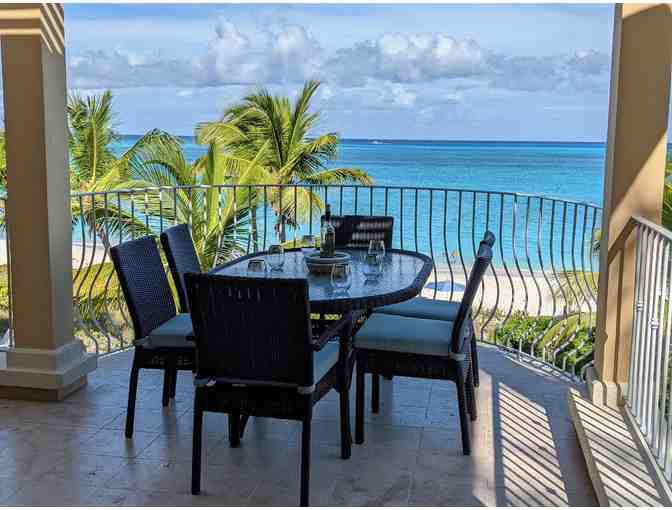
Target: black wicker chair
256 356
161 335
356 231
431 349
182 258
435 309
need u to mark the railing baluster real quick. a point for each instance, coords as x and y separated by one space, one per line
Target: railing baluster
445 243
431 247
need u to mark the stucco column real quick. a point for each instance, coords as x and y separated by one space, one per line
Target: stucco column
635 169
46 362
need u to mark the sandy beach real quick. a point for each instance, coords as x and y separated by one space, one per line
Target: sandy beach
514 292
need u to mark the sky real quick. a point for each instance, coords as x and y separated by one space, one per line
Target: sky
447 72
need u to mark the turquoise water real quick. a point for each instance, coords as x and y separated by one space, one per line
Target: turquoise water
565 170
442 224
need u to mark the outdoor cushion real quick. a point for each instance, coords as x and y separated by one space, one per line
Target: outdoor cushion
384 332
324 359
423 308
172 333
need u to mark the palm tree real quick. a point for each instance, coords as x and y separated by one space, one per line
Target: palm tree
94 167
278 133
218 212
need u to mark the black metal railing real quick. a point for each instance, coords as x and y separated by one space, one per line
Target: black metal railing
538 299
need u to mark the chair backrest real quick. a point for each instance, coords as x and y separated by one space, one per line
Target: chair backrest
251 330
354 231
144 284
463 319
182 258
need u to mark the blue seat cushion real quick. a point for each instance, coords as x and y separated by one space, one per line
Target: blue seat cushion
324 359
172 333
423 308
384 332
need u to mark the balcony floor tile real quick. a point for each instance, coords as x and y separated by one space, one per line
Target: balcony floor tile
525 450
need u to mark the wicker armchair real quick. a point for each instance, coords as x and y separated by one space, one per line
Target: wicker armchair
357 231
430 349
425 308
161 335
256 356
182 258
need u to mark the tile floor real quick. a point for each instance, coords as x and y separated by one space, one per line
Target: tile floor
74 452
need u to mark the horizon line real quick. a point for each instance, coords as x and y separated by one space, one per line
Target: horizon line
452 140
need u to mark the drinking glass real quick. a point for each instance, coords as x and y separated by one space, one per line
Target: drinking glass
372 267
377 248
276 257
256 266
308 243
341 276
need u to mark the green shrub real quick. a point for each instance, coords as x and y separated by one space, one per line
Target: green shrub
566 342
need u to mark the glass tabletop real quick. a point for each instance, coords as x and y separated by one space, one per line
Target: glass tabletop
404 275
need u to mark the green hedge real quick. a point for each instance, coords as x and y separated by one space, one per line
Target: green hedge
574 336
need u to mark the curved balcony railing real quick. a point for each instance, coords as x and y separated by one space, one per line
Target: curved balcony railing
538 299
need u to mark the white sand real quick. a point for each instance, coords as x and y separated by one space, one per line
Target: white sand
500 292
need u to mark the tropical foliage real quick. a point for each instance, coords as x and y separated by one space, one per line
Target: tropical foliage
566 342
278 135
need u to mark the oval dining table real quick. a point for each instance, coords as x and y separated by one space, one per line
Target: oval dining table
404 275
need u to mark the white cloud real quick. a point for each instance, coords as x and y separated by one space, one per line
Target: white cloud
407 58
289 54
286 54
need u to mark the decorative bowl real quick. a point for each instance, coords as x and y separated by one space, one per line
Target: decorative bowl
323 265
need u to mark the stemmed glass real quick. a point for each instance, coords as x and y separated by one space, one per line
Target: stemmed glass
276 257
341 277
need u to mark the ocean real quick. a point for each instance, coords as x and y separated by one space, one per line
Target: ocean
532 232
565 170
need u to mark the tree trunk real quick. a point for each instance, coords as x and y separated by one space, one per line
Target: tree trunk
255 230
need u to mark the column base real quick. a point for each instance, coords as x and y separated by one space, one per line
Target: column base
604 393
41 394
37 374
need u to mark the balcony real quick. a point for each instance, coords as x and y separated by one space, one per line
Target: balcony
75 453
536 345
542 328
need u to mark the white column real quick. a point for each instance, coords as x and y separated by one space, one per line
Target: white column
46 362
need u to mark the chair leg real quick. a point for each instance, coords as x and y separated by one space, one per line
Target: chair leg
474 361
464 420
132 393
197 444
471 396
167 377
346 435
243 423
234 430
173 381
305 458
375 393
359 402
